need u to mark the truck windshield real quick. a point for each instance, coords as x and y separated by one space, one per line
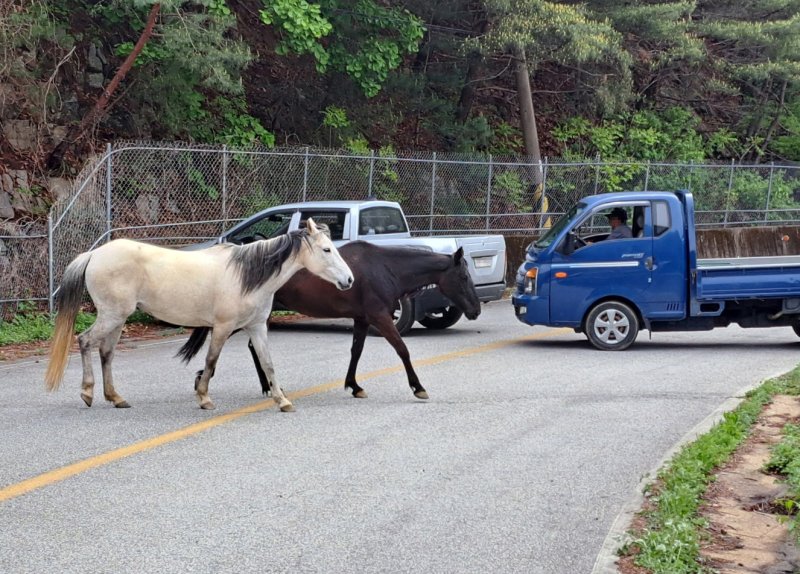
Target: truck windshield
546 239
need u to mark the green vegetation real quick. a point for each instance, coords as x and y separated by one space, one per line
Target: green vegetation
785 460
654 80
670 542
28 324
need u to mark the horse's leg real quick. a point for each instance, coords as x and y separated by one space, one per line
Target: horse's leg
104 334
385 325
107 346
87 384
262 376
218 337
360 329
258 337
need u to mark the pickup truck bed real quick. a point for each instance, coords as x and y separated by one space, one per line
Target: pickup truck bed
748 278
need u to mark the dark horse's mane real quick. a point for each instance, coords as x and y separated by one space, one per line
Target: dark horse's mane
257 262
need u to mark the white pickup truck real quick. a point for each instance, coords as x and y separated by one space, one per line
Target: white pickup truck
384 223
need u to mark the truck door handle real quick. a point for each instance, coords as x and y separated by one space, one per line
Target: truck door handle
648 263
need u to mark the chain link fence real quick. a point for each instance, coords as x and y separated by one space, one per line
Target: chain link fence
179 194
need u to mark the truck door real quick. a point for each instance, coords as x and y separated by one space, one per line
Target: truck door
600 267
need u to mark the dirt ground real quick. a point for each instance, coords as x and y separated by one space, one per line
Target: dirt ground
748 532
131 333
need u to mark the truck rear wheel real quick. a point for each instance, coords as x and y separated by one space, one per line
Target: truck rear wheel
447 318
611 326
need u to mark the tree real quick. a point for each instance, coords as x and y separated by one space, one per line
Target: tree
188 36
754 45
536 32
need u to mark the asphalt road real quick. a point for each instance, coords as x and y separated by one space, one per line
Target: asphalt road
528 457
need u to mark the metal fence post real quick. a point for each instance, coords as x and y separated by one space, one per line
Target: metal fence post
108 192
305 175
597 173
224 188
544 180
728 197
647 176
433 192
769 188
489 191
371 172
50 264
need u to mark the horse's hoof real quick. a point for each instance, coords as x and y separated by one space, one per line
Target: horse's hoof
362 394
122 405
87 399
421 394
207 406
287 408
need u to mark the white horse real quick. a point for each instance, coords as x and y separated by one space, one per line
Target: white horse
225 287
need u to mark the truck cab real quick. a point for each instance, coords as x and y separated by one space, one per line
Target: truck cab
577 275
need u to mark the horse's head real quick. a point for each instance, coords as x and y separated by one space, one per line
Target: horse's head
323 259
456 284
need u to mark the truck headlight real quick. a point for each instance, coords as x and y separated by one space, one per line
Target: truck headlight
530 281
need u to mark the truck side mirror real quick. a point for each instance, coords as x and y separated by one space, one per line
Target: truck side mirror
569 243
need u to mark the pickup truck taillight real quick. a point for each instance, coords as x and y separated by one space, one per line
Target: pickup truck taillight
530 281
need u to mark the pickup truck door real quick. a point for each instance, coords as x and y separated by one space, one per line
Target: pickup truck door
615 267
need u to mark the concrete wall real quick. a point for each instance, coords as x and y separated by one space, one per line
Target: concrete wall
711 243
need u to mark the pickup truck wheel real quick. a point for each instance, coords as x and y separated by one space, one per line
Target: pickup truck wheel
796 328
447 318
611 326
403 317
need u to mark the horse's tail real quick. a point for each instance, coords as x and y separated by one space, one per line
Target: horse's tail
68 302
193 345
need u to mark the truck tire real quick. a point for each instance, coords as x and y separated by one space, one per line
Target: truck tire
611 326
447 318
403 317
796 328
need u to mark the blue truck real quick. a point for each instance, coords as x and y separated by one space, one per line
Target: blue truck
609 289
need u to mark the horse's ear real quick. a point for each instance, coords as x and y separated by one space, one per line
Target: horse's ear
311 226
458 255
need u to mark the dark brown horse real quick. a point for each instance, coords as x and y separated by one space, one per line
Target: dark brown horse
383 275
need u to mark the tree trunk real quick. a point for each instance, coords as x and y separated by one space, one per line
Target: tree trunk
474 69
530 134
77 131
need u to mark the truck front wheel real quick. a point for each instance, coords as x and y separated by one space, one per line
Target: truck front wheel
448 317
611 326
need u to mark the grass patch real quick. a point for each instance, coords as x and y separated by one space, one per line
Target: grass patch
28 324
670 541
785 460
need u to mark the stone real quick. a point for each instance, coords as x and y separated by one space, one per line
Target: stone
147 208
95 80
21 134
6 183
60 188
6 211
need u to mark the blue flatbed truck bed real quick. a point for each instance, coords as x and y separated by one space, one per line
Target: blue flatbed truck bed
610 289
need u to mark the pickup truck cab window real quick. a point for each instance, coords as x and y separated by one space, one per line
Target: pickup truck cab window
381 220
271 225
554 231
595 227
661 218
334 219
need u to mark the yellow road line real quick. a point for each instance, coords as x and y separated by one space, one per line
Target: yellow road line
65 472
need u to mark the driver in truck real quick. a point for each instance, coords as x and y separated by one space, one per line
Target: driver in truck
616 219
